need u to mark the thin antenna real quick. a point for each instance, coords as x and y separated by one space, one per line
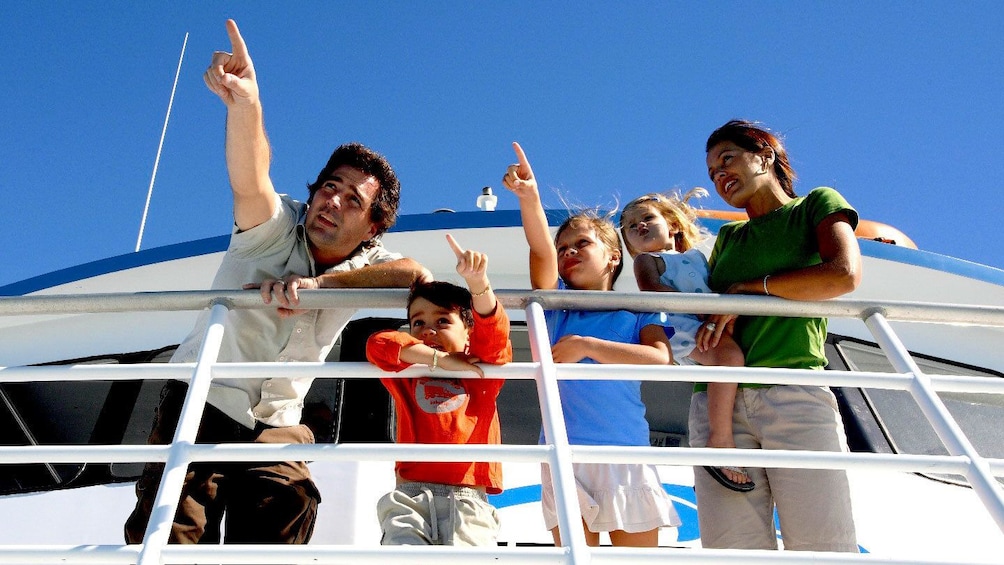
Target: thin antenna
156 162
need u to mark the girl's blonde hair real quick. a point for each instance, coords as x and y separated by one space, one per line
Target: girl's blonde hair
605 232
677 212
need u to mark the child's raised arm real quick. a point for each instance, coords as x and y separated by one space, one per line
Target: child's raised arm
543 257
473 266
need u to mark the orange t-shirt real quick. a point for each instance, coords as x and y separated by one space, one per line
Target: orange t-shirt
439 409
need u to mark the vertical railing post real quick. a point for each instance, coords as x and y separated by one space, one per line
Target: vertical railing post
158 529
979 475
566 497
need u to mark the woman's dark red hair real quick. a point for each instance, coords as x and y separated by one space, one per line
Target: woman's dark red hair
753 138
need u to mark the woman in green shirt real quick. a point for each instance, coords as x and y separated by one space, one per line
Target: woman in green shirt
799 248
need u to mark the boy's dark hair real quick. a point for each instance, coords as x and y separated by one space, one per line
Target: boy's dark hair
445 295
383 210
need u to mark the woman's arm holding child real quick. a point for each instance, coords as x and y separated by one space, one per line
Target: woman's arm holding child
837 274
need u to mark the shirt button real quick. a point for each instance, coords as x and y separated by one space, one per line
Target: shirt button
299 330
282 358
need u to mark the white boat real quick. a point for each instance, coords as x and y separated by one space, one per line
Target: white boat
81 364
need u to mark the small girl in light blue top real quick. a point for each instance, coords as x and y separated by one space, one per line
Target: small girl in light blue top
660 232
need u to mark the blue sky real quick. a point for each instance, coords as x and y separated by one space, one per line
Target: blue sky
896 104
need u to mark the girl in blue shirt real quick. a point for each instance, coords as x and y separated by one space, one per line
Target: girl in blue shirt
627 501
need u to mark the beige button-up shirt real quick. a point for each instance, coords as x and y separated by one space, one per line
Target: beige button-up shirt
273 249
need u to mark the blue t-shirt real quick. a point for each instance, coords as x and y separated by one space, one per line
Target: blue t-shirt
603 412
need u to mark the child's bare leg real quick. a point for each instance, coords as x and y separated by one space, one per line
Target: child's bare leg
721 403
721 396
592 538
726 354
620 538
722 400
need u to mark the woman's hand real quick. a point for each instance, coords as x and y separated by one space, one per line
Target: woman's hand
710 332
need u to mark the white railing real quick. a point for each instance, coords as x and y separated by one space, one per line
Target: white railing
963 459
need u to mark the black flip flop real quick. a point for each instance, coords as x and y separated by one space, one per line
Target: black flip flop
727 482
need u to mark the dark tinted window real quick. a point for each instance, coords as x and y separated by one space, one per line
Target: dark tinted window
899 417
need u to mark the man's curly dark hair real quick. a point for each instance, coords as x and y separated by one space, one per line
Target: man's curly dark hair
383 210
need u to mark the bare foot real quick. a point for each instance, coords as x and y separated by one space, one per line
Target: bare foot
737 475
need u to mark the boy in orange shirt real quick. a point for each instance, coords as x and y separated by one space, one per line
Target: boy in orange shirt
451 328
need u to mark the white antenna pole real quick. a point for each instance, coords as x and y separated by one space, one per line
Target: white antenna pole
156 162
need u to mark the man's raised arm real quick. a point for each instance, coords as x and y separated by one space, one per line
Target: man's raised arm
231 76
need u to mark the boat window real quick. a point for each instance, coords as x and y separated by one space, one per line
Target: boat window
519 410
900 419
71 413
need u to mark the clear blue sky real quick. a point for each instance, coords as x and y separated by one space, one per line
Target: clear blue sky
898 105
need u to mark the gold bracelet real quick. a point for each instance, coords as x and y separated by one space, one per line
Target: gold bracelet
483 292
435 361
765 291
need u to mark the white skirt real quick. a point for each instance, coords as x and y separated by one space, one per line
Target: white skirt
614 497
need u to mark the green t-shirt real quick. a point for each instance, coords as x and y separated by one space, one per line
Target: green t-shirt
783 240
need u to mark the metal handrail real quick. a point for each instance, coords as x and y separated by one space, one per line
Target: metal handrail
895 310
963 458
511 371
332 554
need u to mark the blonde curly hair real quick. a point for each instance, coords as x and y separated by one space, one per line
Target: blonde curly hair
677 212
